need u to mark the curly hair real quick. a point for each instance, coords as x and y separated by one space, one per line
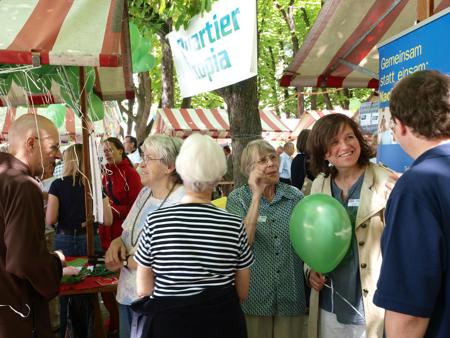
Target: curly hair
323 132
422 102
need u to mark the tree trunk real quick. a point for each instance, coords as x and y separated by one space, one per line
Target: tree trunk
326 98
129 124
300 102
245 123
274 83
347 96
186 103
144 97
314 99
167 95
128 113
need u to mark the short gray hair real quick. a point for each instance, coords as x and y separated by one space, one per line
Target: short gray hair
166 147
201 162
252 152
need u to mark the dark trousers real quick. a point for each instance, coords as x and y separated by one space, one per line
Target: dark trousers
212 314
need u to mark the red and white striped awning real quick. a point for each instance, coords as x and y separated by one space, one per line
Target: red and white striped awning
341 49
67 32
311 116
63 32
213 122
71 128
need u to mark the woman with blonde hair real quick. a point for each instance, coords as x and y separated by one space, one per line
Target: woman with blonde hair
66 209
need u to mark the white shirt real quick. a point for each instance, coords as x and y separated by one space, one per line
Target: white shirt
135 157
285 166
144 204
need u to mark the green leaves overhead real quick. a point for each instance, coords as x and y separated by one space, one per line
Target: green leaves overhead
151 14
142 60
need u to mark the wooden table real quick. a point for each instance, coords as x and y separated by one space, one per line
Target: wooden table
93 286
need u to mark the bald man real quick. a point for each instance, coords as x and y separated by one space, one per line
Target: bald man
29 274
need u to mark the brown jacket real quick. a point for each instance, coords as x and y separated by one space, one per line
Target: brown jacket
29 274
369 227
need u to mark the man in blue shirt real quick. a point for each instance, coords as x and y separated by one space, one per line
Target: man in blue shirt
414 285
286 162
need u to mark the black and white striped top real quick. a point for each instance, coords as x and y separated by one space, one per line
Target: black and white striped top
191 247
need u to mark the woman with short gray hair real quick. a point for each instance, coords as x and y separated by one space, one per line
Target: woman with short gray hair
193 258
162 187
276 305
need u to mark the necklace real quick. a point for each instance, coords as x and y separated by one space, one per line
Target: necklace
133 240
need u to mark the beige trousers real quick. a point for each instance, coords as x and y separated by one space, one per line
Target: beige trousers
275 326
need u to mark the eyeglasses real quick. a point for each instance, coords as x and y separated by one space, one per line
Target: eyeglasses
265 160
147 158
54 147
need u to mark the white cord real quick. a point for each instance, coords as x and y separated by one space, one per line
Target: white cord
17 311
345 300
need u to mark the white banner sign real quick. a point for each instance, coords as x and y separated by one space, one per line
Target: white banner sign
218 49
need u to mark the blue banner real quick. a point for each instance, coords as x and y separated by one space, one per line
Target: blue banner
425 46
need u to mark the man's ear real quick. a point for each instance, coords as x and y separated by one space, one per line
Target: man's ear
30 143
402 128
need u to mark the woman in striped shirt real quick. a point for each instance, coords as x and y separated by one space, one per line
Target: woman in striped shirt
193 258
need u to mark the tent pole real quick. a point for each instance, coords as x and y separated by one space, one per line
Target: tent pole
424 9
85 125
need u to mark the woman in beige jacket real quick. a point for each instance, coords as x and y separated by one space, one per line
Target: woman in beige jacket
341 302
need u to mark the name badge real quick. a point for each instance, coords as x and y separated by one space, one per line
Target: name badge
262 219
353 202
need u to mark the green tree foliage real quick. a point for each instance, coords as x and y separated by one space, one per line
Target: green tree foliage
282 27
278 43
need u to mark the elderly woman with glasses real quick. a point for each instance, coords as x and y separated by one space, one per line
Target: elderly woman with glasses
275 306
193 258
162 188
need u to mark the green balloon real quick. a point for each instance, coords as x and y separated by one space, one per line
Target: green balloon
135 36
145 64
321 232
57 114
32 81
96 108
72 102
69 79
5 83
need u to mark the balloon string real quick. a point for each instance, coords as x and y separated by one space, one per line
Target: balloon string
18 312
333 291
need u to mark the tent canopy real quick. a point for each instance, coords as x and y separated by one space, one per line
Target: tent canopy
70 129
311 116
214 122
67 32
341 48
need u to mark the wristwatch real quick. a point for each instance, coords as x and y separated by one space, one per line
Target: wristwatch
125 262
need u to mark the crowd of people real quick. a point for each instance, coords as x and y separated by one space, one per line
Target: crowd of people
190 269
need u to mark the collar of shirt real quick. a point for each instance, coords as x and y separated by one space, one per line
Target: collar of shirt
281 190
438 151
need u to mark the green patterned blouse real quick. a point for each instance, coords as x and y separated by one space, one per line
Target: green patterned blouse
276 280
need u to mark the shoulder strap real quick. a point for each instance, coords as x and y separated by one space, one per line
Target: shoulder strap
110 191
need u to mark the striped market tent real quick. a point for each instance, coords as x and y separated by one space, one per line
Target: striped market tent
341 49
67 33
71 128
213 122
311 116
